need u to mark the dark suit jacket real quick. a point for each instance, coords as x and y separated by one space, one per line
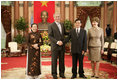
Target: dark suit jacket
78 44
108 31
55 35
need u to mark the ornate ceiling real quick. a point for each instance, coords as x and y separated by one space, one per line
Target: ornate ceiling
88 3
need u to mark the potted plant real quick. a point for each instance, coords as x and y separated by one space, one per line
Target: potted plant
21 25
68 25
19 39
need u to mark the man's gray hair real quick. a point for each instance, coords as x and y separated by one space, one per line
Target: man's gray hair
55 14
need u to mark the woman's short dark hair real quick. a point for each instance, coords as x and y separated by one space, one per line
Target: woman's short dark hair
34 24
77 20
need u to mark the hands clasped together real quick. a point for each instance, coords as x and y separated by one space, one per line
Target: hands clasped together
35 46
60 43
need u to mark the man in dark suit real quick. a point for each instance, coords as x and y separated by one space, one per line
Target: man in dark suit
56 34
78 48
108 30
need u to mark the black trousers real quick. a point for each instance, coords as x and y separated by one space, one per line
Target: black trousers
75 57
55 55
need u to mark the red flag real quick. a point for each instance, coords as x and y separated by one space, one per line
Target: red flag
40 6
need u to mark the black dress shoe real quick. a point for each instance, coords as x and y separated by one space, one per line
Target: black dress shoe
83 76
92 76
55 77
96 77
62 76
73 77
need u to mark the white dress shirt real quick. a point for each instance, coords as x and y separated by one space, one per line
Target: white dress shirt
77 30
60 29
59 26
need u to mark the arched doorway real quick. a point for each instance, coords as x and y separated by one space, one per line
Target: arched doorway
84 12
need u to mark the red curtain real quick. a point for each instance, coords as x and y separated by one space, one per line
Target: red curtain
39 6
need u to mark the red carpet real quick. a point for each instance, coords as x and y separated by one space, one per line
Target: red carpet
17 62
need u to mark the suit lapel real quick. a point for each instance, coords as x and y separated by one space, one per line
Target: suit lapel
62 29
80 33
75 32
57 28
